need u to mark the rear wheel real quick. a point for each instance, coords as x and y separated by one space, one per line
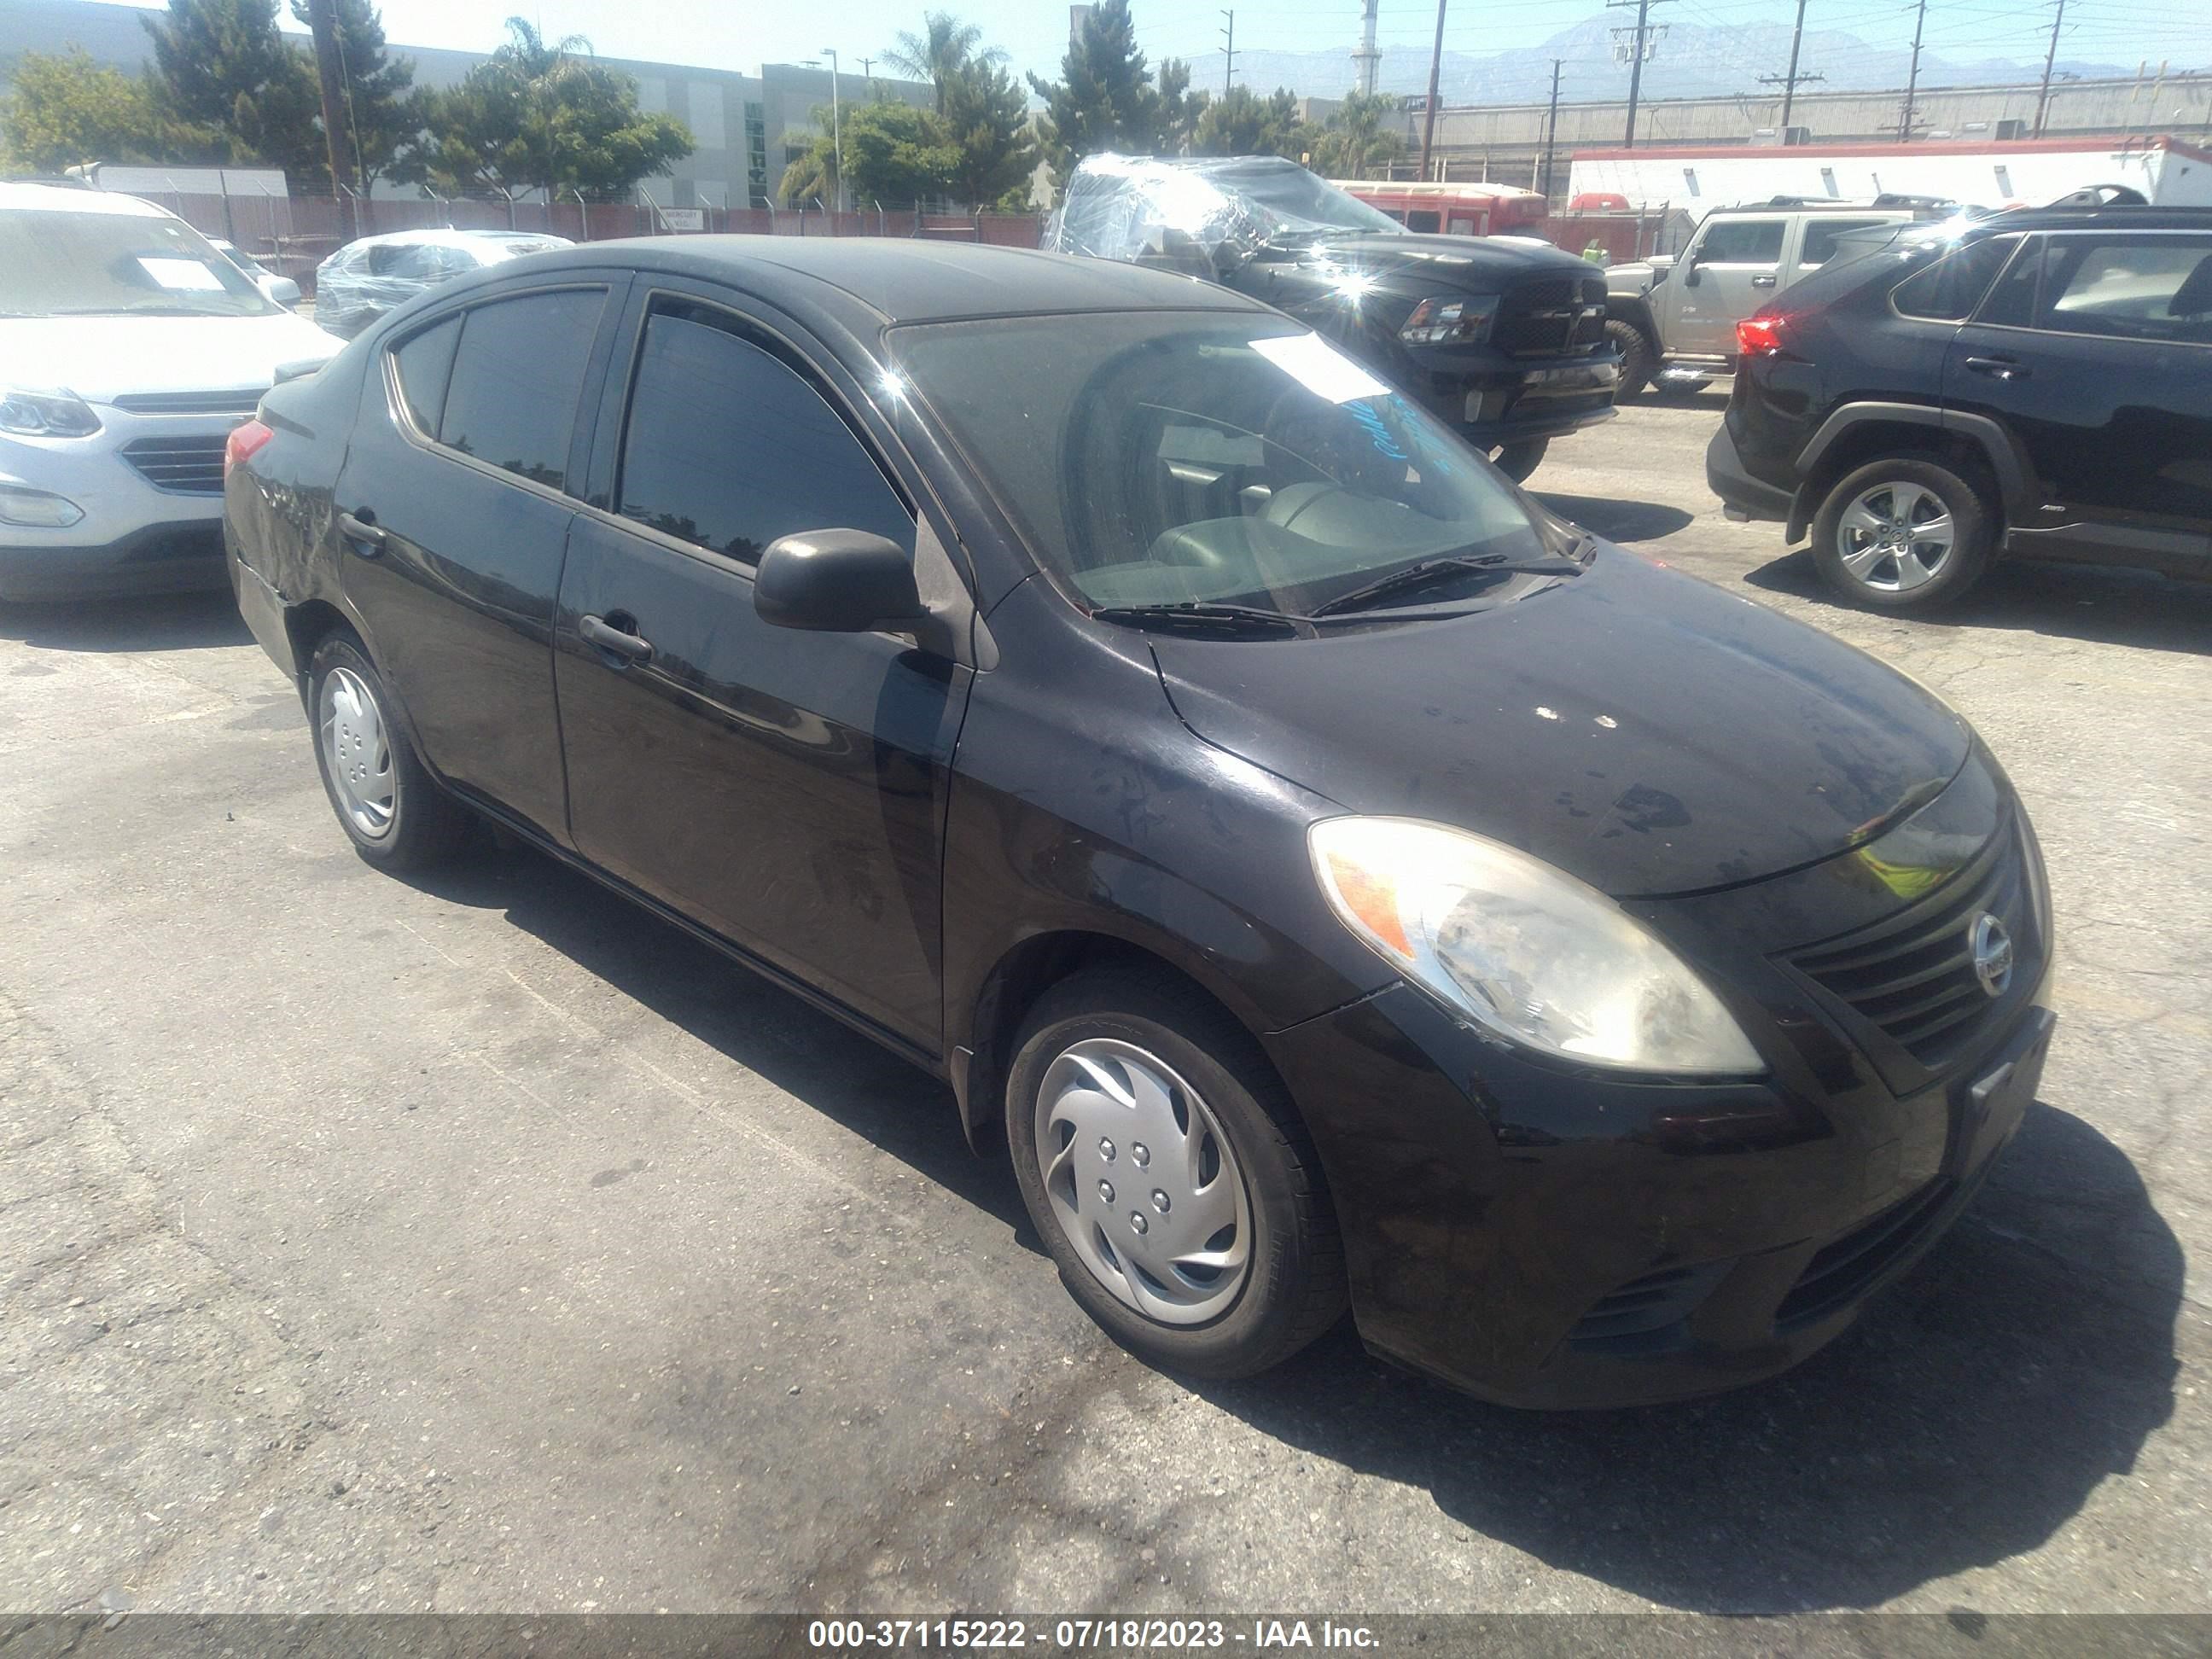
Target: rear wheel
1904 534
1170 1177
1518 461
1639 357
386 802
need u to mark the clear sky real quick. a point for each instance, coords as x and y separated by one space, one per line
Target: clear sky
742 35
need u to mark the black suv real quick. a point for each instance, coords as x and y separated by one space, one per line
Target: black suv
2038 383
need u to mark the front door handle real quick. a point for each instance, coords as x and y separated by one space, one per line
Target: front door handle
1998 368
362 534
1762 282
623 641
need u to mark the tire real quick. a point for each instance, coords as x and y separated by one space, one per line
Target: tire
1872 537
1518 461
396 815
1078 1071
1638 358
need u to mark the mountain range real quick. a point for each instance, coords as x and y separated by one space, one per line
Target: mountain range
1691 60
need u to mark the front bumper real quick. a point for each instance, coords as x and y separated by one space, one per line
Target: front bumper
183 557
1525 402
1541 1236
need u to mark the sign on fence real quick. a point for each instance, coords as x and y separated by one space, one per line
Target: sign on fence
683 218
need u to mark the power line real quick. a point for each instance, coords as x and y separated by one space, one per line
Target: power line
1792 80
1641 49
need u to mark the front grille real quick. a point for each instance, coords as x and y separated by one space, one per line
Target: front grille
191 402
1841 1270
181 465
1551 317
1649 1314
1912 976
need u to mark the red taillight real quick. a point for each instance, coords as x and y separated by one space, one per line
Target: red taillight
1757 335
244 440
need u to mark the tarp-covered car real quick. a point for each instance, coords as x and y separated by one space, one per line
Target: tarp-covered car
1504 340
364 280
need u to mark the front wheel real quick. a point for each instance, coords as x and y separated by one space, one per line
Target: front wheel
386 802
1168 1176
1639 357
1903 534
1518 461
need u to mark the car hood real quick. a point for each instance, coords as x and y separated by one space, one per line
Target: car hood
1473 264
1645 731
102 358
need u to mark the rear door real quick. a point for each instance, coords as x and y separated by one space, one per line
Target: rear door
456 486
2094 347
786 789
1727 273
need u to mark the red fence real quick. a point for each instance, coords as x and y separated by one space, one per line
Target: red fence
295 234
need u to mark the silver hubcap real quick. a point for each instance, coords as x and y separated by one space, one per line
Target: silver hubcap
357 752
1895 538
1143 1181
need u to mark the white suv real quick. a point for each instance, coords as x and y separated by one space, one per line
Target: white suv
129 348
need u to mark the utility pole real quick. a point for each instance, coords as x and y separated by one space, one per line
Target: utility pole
1228 54
1792 81
1640 50
1368 58
1550 133
2050 63
323 21
1429 116
1904 122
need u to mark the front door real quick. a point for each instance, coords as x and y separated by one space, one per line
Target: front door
454 485
785 789
1728 273
2095 349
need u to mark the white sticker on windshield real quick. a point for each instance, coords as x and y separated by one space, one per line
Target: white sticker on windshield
186 276
1320 367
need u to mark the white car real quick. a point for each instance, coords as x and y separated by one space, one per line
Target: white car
283 289
129 348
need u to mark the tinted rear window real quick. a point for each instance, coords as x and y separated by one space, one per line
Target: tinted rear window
516 379
425 363
1948 290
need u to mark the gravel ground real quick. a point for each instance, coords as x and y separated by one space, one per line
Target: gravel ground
478 1245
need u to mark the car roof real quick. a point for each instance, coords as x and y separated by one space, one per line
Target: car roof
2116 217
63 198
889 279
444 235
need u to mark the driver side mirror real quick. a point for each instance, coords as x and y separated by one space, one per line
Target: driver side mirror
1687 265
838 581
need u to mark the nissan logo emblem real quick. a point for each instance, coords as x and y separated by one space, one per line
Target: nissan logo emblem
1992 950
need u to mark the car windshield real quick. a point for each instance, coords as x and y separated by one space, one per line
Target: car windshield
1300 201
59 264
1187 458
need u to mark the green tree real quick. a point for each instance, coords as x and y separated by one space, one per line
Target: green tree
67 109
987 118
384 109
541 115
1106 99
1356 143
235 89
895 154
812 175
1241 123
945 47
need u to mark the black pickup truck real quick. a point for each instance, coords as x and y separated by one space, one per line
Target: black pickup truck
1502 338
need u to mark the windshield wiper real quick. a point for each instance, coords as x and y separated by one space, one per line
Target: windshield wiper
1425 571
1204 616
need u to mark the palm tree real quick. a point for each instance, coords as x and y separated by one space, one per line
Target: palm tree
943 48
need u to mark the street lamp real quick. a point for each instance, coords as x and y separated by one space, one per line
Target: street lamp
836 129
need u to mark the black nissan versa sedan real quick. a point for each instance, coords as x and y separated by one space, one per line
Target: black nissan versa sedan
1334 878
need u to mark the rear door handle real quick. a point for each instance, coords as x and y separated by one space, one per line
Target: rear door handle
623 641
1998 368
362 535
1762 282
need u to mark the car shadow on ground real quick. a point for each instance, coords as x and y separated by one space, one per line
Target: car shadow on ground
183 621
1964 1420
1617 520
768 1031
2099 603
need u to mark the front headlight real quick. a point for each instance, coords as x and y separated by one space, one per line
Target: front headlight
1462 321
30 414
1523 948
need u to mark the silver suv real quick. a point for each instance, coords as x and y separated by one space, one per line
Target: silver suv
1674 317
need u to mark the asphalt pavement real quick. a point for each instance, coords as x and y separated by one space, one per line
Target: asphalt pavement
479 1244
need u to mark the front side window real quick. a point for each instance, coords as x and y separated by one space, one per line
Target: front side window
1176 459
517 376
64 263
1742 242
728 448
2143 287
1948 289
